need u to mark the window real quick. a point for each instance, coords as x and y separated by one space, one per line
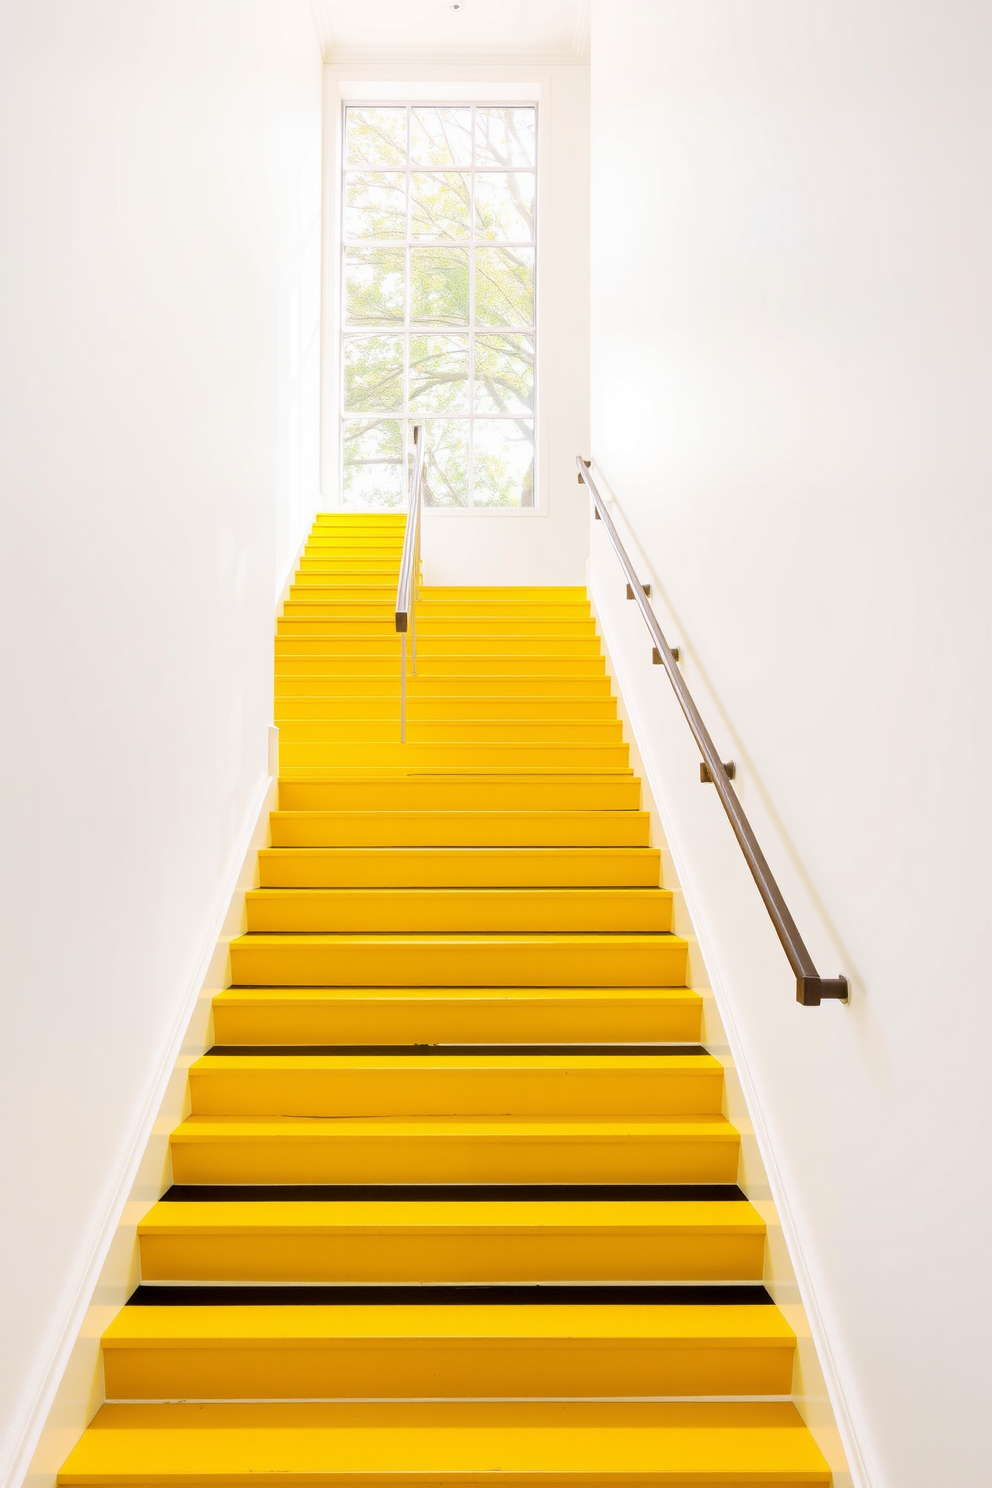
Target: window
438 322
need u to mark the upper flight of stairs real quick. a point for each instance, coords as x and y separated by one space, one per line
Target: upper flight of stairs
456 1196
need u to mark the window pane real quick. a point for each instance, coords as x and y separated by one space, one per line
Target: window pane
439 206
505 136
445 462
374 205
504 374
438 374
376 136
374 286
504 286
373 374
439 286
441 136
373 463
504 462
504 207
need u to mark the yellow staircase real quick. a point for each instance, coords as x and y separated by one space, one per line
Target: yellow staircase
456 1196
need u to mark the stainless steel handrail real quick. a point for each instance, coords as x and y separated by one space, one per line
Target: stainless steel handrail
406 589
811 988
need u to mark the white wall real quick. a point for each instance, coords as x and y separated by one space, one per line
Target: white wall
161 204
791 374
549 545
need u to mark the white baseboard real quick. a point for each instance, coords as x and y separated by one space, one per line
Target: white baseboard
70 1389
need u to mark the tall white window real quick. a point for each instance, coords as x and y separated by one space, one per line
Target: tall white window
438 323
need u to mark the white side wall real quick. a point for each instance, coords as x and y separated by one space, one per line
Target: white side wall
790 350
549 545
160 314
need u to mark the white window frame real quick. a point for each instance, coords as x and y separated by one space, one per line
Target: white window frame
494 87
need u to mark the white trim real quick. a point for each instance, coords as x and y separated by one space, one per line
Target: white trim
409 243
34 1419
849 1429
402 55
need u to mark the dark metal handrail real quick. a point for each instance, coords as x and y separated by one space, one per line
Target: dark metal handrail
811 988
406 589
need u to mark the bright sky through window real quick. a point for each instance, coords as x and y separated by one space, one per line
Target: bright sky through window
438 303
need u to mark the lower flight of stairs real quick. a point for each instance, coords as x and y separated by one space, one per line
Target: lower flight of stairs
456 1197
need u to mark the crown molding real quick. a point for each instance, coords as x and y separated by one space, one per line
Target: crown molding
435 56
580 41
321 28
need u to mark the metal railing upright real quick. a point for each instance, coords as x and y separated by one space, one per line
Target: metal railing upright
409 579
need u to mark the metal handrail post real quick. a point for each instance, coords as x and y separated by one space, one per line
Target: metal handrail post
406 589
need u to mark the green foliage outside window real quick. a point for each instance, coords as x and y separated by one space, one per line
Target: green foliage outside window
438 298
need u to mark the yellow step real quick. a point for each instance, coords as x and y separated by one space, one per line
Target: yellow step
465 755
703 1148
588 793
691 1444
448 1352
447 707
566 960
459 1084
364 544
431 605
484 619
481 1240
464 868
455 911
455 1015
530 830
295 658
491 689
348 520
375 573
452 731
323 637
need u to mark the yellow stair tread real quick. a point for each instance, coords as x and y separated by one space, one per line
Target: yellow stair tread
516 938
155 1327
253 996
672 1445
624 1063
418 1216
703 1126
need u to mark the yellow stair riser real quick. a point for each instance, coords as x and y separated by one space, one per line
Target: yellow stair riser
464 868
441 756
451 707
452 731
299 658
456 1015
381 689
458 829
411 793
698 1149
746 1357
525 1444
463 961
408 1256
371 596
307 635
344 522
454 911
468 767
379 617
222 1085
368 550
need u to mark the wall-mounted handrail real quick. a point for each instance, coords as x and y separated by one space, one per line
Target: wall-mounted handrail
811 988
406 589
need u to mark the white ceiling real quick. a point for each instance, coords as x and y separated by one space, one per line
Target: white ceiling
538 31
